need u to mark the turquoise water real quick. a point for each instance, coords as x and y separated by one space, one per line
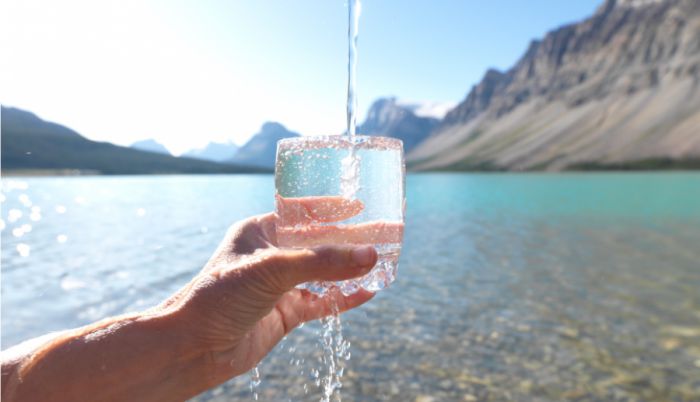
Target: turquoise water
523 287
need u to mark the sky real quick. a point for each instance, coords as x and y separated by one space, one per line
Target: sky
187 72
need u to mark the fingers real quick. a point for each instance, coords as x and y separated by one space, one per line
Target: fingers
247 236
284 269
363 233
334 302
298 210
299 306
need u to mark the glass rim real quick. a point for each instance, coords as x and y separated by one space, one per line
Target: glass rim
361 141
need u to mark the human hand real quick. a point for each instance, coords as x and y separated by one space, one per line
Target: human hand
218 326
244 300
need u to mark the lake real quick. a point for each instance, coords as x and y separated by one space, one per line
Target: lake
523 287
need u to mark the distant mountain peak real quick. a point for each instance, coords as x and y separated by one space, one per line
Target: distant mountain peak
260 150
272 126
399 119
214 151
150 145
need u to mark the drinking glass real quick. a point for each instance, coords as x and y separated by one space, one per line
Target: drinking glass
341 189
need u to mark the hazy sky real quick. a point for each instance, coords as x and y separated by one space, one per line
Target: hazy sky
189 72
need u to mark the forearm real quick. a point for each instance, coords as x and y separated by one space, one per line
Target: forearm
137 357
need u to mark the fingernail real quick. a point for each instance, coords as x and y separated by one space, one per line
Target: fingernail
363 255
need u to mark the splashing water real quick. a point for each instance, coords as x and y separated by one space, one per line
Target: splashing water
336 350
255 382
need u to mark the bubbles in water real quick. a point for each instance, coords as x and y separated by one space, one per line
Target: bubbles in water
61 238
23 250
26 228
61 209
141 212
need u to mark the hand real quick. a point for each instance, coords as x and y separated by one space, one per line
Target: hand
218 326
244 300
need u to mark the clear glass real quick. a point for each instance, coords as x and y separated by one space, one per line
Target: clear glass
343 190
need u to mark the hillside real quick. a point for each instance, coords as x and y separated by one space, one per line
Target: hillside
620 89
29 143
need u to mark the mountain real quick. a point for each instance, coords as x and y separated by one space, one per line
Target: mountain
620 89
391 118
214 151
260 150
150 145
30 143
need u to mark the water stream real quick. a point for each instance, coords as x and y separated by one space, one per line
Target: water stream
335 347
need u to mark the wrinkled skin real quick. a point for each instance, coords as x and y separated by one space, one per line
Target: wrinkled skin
244 300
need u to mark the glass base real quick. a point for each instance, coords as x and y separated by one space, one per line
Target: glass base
379 278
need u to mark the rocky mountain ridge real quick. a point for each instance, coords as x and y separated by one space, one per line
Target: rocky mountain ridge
620 86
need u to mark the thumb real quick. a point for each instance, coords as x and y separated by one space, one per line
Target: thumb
289 268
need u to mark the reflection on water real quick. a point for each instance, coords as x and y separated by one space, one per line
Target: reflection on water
511 287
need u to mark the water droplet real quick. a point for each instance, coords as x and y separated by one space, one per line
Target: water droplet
255 382
26 228
61 238
23 249
16 185
17 232
69 284
13 215
61 209
24 199
141 212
